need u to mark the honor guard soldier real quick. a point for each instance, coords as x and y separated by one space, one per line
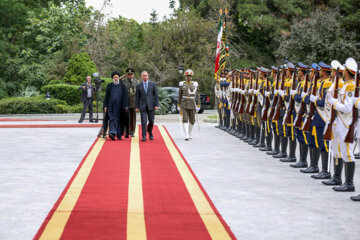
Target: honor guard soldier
217 91
338 162
274 74
289 133
322 116
300 135
344 105
311 135
130 83
189 102
266 122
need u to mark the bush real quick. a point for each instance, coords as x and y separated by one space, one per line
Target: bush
79 66
164 101
31 105
68 93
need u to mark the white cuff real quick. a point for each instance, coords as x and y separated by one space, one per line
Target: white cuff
292 92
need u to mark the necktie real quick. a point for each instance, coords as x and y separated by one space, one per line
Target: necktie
146 87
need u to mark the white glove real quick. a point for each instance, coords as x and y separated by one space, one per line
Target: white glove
281 93
242 91
252 91
292 92
178 108
303 94
313 98
197 109
256 91
331 100
267 93
354 99
276 91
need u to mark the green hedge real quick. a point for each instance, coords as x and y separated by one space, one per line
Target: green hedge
68 93
32 105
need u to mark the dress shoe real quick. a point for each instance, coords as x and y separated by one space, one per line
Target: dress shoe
91 120
299 164
280 155
322 175
355 198
265 149
288 159
80 121
119 137
273 152
112 136
311 169
143 139
126 135
151 137
132 135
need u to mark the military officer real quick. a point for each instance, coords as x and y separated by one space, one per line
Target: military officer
189 102
218 102
130 83
344 105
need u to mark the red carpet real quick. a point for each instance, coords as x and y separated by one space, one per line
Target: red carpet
23 120
51 126
134 190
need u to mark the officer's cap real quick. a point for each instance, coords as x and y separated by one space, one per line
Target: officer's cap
302 66
291 66
325 67
274 69
335 64
189 72
314 66
264 70
129 70
351 65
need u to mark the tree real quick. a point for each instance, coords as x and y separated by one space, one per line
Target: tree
79 66
153 17
319 38
172 4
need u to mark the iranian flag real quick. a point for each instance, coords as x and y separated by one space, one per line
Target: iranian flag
218 47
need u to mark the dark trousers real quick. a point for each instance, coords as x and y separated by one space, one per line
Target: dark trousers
88 104
145 116
130 121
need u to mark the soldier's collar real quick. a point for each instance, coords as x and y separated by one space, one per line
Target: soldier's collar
188 82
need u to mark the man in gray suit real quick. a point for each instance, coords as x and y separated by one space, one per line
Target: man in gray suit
147 100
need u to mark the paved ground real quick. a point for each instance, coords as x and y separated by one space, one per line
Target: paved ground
259 197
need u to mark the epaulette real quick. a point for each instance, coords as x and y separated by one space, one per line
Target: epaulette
341 84
350 87
327 84
182 83
288 84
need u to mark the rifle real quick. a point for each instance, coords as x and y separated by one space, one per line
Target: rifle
247 109
328 127
307 124
280 99
236 103
242 96
298 119
350 134
254 100
232 96
274 103
287 118
264 114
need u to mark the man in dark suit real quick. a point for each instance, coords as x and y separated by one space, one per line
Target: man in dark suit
87 99
147 100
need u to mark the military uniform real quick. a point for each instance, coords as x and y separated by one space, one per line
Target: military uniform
217 91
189 103
131 115
343 105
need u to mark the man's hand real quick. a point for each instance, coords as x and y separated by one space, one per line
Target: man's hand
156 108
197 109
105 109
178 108
83 87
137 110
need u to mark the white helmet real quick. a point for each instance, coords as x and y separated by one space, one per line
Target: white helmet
189 72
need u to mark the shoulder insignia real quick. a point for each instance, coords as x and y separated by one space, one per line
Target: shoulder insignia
350 87
327 84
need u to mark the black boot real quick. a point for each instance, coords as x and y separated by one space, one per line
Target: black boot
262 139
282 153
242 131
291 157
355 198
250 134
348 185
276 145
336 178
314 159
302 163
220 122
268 142
233 129
257 136
324 174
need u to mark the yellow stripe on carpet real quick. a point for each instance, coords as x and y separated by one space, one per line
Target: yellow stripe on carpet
56 225
135 215
213 224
